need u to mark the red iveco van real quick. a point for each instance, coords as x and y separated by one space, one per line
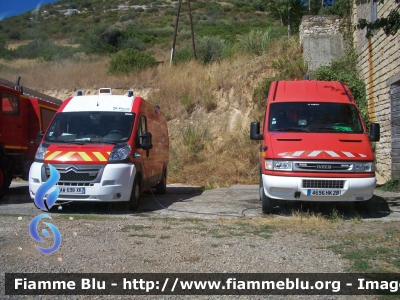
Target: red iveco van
314 145
106 148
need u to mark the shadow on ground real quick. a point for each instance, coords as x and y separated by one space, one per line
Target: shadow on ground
377 207
149 202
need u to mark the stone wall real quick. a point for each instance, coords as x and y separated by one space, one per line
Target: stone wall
321 40
379 67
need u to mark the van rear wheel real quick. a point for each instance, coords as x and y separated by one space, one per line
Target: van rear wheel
161 188
133 203
5 181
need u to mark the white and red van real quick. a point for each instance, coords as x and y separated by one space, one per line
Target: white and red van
314 145
106 148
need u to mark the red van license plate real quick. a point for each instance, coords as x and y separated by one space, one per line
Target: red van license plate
323 192
72 190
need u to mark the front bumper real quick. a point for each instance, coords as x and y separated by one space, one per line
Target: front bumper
115 184
294 188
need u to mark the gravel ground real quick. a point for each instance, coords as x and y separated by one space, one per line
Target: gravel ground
165 245
168 241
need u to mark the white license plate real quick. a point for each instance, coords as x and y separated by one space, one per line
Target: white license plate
72 190
311 192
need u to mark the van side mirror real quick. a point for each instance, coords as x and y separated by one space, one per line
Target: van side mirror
374 132
255 131
146 140
39 137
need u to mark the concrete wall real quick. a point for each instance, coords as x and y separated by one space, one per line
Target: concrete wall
379 67
321 40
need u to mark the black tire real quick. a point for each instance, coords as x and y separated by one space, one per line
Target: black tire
267 202
133 203
45 204
5 181
161 187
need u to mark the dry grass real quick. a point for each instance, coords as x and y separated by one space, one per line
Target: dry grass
71 74
234 161
304 222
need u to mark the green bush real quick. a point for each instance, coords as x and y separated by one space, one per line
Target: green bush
125 18
182 55
4 52
258 41
345 70
260 93
14 35
391 185
130 60
210 102
195 141
152 10
132 43
288 66
188 103
44 49
170 12
209 49
101 39
184 34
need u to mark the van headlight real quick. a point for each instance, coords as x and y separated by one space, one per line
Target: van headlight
364 167
40 152
278 165
120 153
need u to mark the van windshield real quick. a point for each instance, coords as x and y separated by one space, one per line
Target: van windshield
90 127
314 117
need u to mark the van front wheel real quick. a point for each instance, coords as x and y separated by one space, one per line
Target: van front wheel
267 202
133 203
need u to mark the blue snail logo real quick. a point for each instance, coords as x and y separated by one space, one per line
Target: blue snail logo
39 201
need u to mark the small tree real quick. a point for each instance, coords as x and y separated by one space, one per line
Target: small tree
129 60
390 24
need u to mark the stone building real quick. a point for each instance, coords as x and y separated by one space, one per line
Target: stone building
379 67
321 40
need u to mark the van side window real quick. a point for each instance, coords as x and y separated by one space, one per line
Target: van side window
141 128
10 104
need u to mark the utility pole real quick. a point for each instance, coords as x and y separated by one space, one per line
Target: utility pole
176 31
191 30
288 20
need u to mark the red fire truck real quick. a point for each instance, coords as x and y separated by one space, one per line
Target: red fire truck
314 145
23 113
106 148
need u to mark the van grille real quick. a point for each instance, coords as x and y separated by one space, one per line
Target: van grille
72 174
323 167
323 184
77 184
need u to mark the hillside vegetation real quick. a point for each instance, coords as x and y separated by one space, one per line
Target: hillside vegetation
209 102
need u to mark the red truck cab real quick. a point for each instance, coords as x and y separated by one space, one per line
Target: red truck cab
314 145
22 115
